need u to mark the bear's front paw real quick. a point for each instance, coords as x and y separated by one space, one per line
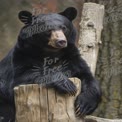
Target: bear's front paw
65 87
86 102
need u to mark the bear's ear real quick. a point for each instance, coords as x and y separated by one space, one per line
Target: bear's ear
25 17
70 13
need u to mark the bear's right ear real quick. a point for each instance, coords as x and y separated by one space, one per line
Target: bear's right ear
70 13
25 17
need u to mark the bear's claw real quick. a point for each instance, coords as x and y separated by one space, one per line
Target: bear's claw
86 103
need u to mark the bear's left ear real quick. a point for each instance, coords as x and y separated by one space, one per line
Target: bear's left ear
25 17
70 13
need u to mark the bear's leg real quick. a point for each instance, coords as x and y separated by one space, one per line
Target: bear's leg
90 95
88 100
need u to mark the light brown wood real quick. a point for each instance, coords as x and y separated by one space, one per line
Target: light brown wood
35 103
27 103
90 33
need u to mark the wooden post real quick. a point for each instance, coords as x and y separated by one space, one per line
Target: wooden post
90 33
38 104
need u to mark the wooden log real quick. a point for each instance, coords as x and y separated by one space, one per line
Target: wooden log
27 103
90 33
35 103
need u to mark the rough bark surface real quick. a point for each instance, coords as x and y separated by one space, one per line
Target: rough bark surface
90 33
38 104
109 67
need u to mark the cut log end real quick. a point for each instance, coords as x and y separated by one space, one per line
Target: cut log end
35 103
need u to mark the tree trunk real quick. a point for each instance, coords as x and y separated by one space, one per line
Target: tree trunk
109 67
90 33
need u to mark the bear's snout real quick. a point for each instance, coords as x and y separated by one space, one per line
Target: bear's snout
61 43
57 39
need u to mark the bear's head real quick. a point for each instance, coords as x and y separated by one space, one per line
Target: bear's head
48 31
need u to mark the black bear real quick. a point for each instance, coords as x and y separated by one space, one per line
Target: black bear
45 53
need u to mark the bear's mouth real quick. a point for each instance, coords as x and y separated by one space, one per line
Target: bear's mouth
61 43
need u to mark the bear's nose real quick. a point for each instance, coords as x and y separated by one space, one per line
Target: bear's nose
61 43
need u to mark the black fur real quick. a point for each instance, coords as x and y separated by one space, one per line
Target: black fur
32 59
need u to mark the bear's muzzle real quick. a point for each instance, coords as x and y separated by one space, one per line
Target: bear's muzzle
57 39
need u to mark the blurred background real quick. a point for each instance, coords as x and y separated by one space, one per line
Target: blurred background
109 66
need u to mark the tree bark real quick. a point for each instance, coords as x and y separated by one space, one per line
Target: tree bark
109 67
90 33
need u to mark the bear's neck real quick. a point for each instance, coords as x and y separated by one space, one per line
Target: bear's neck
37 53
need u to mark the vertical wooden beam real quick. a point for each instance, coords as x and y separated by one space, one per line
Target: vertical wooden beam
90 33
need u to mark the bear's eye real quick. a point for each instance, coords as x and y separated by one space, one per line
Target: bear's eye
64 28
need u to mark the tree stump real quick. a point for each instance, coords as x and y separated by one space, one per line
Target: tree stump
35 103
